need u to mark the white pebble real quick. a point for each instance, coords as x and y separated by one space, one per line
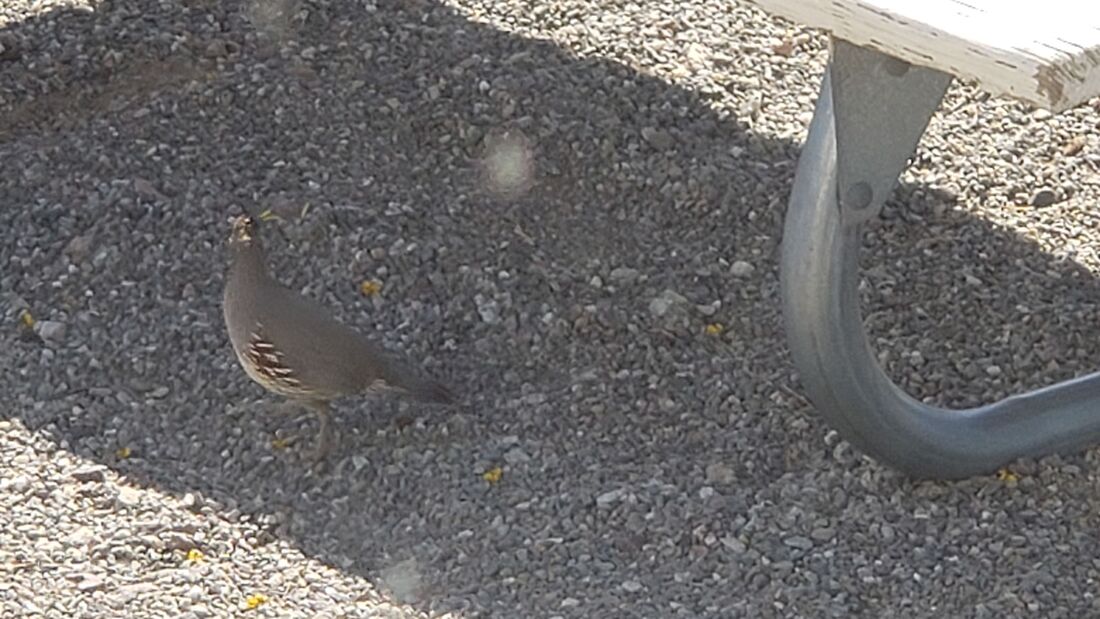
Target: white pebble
740 268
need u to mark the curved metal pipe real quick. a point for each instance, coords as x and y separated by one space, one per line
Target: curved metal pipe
820 277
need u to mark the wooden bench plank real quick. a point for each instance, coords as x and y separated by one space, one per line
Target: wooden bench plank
1045 52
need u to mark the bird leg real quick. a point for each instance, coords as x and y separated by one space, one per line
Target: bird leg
323 443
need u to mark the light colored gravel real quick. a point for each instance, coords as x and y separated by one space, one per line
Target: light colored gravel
573 210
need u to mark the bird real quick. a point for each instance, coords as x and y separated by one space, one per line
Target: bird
294 347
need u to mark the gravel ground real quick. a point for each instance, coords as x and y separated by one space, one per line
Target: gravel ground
573 210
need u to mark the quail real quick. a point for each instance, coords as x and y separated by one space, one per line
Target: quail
293 347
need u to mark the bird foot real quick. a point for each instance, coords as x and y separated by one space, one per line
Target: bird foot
323 443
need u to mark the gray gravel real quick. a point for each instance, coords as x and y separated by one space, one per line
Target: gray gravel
574 212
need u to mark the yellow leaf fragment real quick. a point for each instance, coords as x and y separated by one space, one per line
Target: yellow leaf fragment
280 442
268 215
26 318
255 600
195 556
123 453
493 475
715 328
370 287
1007 476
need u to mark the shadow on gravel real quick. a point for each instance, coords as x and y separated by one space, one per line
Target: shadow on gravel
540 309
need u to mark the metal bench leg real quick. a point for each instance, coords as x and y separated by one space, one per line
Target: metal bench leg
870 115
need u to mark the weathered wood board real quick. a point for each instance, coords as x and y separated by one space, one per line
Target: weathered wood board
1044 52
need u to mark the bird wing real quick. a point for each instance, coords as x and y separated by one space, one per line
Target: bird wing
322 352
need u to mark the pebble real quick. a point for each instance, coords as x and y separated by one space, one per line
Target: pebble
624 275
516 456
1043 198
488 309
664 304
720 474
733 544
740 268
658 138
17 485
90 473
190 501
607 499
128 497
79 248
51 331
800 542
89 583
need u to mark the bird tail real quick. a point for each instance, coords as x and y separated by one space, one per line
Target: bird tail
404 379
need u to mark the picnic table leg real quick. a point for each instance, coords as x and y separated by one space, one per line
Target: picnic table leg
869 116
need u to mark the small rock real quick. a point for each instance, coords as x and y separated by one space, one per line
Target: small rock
740 268
82 536
146 189
488 309
403 580
218 48
1075 145
706 492
624 275
887 533
305 73
158 393
358 462
128 497
89 473
718 473
18 484
799 541
785 48
516 456
130 592
666 302
570 603
733 544
79 248
607 499
15 303
174 540
191 502
632 586
89 583
50 330
782 568
1044 197
657 138
823 534
709 309
10 46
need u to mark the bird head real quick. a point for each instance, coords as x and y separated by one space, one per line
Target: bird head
243 232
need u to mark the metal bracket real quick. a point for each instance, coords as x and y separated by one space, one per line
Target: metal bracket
819 276
881 106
